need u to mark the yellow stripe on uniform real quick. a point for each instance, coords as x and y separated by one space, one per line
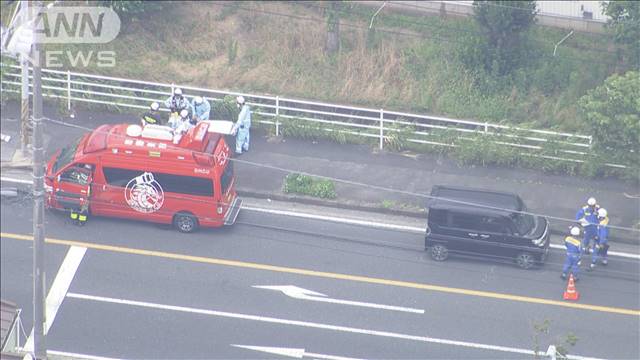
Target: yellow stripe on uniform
573 241
336 276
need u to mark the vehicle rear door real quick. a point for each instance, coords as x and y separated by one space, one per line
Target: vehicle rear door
72 187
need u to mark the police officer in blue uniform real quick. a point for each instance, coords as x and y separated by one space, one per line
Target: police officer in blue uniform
601 247
574 252
587 217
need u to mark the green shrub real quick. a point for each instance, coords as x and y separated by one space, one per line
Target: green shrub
225 109
307 185
612 113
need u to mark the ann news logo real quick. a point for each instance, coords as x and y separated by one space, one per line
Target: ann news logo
65 25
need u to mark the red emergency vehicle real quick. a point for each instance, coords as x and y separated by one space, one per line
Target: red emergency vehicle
149 174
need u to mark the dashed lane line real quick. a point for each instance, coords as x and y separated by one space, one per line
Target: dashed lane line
313 325
330 275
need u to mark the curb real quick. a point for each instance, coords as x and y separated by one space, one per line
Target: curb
306 200
555 230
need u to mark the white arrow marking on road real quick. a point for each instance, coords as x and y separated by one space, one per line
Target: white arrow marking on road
304 294
329 327
292 352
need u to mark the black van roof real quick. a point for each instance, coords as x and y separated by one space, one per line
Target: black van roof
465 197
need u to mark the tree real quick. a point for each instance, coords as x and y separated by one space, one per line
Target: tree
503 25
624 23
612 113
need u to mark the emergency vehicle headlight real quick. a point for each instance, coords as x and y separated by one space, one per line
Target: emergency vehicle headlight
219 210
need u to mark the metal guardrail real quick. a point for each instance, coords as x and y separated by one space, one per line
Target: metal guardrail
358 121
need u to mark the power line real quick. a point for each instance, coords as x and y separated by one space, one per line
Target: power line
360 184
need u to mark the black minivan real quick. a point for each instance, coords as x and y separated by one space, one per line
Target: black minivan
484 223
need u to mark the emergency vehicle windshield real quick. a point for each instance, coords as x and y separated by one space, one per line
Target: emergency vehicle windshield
66 156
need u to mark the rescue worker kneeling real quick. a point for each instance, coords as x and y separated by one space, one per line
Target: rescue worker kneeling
574 252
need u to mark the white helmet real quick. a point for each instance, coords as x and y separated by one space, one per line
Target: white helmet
575 231
177 91
184 113
155 106
240 100
197 100
602 212
591 201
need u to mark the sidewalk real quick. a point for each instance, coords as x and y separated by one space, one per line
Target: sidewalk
556 196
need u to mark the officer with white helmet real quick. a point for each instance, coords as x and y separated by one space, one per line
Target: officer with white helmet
201 109
601 246
176 103
587 217
574 252
242 126
185 123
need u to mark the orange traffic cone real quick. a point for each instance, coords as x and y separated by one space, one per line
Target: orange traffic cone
571 293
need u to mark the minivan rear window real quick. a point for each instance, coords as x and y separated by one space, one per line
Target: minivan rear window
227 177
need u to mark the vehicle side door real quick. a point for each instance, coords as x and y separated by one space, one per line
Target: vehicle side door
72 187
492 231
111 193
464 228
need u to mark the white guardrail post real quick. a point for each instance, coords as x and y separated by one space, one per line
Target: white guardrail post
277 115
68 90
574 145
381 129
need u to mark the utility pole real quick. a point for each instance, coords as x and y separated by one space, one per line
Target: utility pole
24 64
39 278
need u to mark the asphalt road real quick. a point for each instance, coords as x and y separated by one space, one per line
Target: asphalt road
145 291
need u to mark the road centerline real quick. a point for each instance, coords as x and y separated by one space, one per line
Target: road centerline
329 275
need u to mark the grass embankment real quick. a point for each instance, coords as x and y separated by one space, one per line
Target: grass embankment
411 63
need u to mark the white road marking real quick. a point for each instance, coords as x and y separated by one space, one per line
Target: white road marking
59 289
304 294
292 352
19 181
335 219
307 324
79 356
419 230
413 229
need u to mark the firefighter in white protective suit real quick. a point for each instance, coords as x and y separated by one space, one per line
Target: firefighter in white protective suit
242 126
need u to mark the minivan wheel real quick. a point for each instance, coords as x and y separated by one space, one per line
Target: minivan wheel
525 260
439 252
185 222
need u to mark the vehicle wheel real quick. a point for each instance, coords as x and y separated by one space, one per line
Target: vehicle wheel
185 222
525 260
439 252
